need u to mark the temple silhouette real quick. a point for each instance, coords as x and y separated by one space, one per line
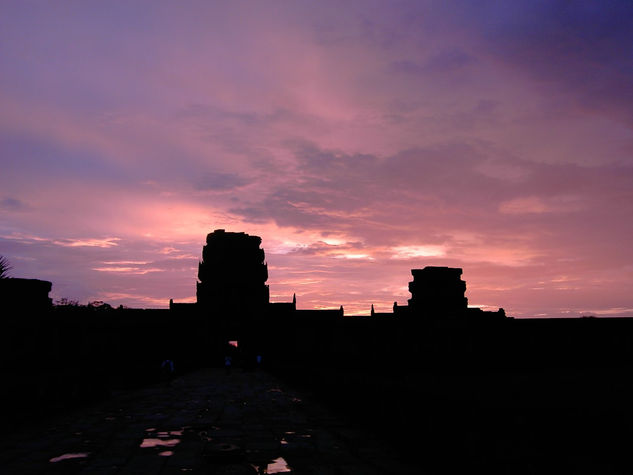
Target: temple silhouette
436 327
233 298
476 383
232 282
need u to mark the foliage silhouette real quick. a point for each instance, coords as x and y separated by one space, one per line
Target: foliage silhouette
5 267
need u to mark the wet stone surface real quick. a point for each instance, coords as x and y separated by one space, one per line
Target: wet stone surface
205 422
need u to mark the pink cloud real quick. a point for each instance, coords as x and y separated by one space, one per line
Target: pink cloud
358 142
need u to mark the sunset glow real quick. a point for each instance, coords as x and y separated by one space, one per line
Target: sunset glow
358 139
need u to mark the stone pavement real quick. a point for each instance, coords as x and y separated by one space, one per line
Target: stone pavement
204 422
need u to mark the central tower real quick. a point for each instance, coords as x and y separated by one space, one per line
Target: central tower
438 291
233 273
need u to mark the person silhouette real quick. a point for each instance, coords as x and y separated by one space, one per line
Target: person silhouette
228 361
167 370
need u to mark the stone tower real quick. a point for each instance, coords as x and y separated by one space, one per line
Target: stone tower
438 291
233 273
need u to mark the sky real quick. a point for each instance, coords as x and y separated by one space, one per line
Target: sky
360 140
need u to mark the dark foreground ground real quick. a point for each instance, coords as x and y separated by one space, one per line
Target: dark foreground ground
470 420
202 422
339 422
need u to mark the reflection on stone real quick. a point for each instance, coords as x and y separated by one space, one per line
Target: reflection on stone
278 465
70 456
153 442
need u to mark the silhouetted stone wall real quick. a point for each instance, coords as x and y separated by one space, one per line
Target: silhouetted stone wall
25 294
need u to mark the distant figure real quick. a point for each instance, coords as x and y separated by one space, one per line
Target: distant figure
167 370
227 363
258 360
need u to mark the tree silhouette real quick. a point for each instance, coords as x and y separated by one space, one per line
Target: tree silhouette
5 267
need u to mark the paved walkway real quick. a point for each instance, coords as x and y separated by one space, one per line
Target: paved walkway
204 422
